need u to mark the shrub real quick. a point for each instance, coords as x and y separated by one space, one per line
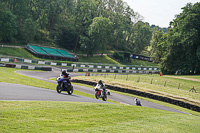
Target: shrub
118 56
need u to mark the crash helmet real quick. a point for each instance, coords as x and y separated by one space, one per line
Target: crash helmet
100 82
64 72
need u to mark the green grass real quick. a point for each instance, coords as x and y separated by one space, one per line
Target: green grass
98 59
140 63
18 52
150 100
28 116
144 63
12 44
107 60
189 76
8 75
21 52
157 87
46 116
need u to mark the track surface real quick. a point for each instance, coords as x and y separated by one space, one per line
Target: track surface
21 92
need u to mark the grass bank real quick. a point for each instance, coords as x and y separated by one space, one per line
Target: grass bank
107 60
21 52
18 52
151 100
98 59
46 116
28 116
159 85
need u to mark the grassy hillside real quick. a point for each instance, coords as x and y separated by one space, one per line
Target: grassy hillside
107 60
98 59
34 116
20 52
155 84
46 116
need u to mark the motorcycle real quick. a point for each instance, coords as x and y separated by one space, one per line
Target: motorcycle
137 102
64 84
100 93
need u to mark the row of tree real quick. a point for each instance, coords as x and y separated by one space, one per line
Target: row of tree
96 25
179 49
87 25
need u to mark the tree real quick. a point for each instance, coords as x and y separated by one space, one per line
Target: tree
85 11
142 35
8 26
67 38
87 46
156 44
68 22
100 32
183 41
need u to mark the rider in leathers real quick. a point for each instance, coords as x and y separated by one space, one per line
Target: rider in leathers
66 76
102 85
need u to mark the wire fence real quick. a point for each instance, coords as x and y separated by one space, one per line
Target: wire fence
187 85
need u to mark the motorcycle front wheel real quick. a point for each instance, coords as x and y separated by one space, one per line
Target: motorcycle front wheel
71 89
59 89
104 97
96 95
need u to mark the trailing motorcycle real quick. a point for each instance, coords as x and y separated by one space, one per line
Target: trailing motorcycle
100 92
137 102
64 84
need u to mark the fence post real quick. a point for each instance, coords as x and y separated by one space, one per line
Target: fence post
127 77
179 86
165 84
138 79
151 80
193 89
115 76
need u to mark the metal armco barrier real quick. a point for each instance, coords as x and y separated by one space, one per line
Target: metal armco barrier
148 95
10 65
110 71
46 68
26 67
82 65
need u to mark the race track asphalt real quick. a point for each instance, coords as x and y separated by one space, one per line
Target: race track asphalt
21 92
28 93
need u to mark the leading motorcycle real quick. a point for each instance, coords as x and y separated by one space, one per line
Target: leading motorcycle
100 92
64 84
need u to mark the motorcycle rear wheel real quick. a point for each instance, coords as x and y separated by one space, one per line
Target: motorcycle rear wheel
59 89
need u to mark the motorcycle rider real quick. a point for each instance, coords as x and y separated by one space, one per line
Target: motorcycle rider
66 76
137 102
102 85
